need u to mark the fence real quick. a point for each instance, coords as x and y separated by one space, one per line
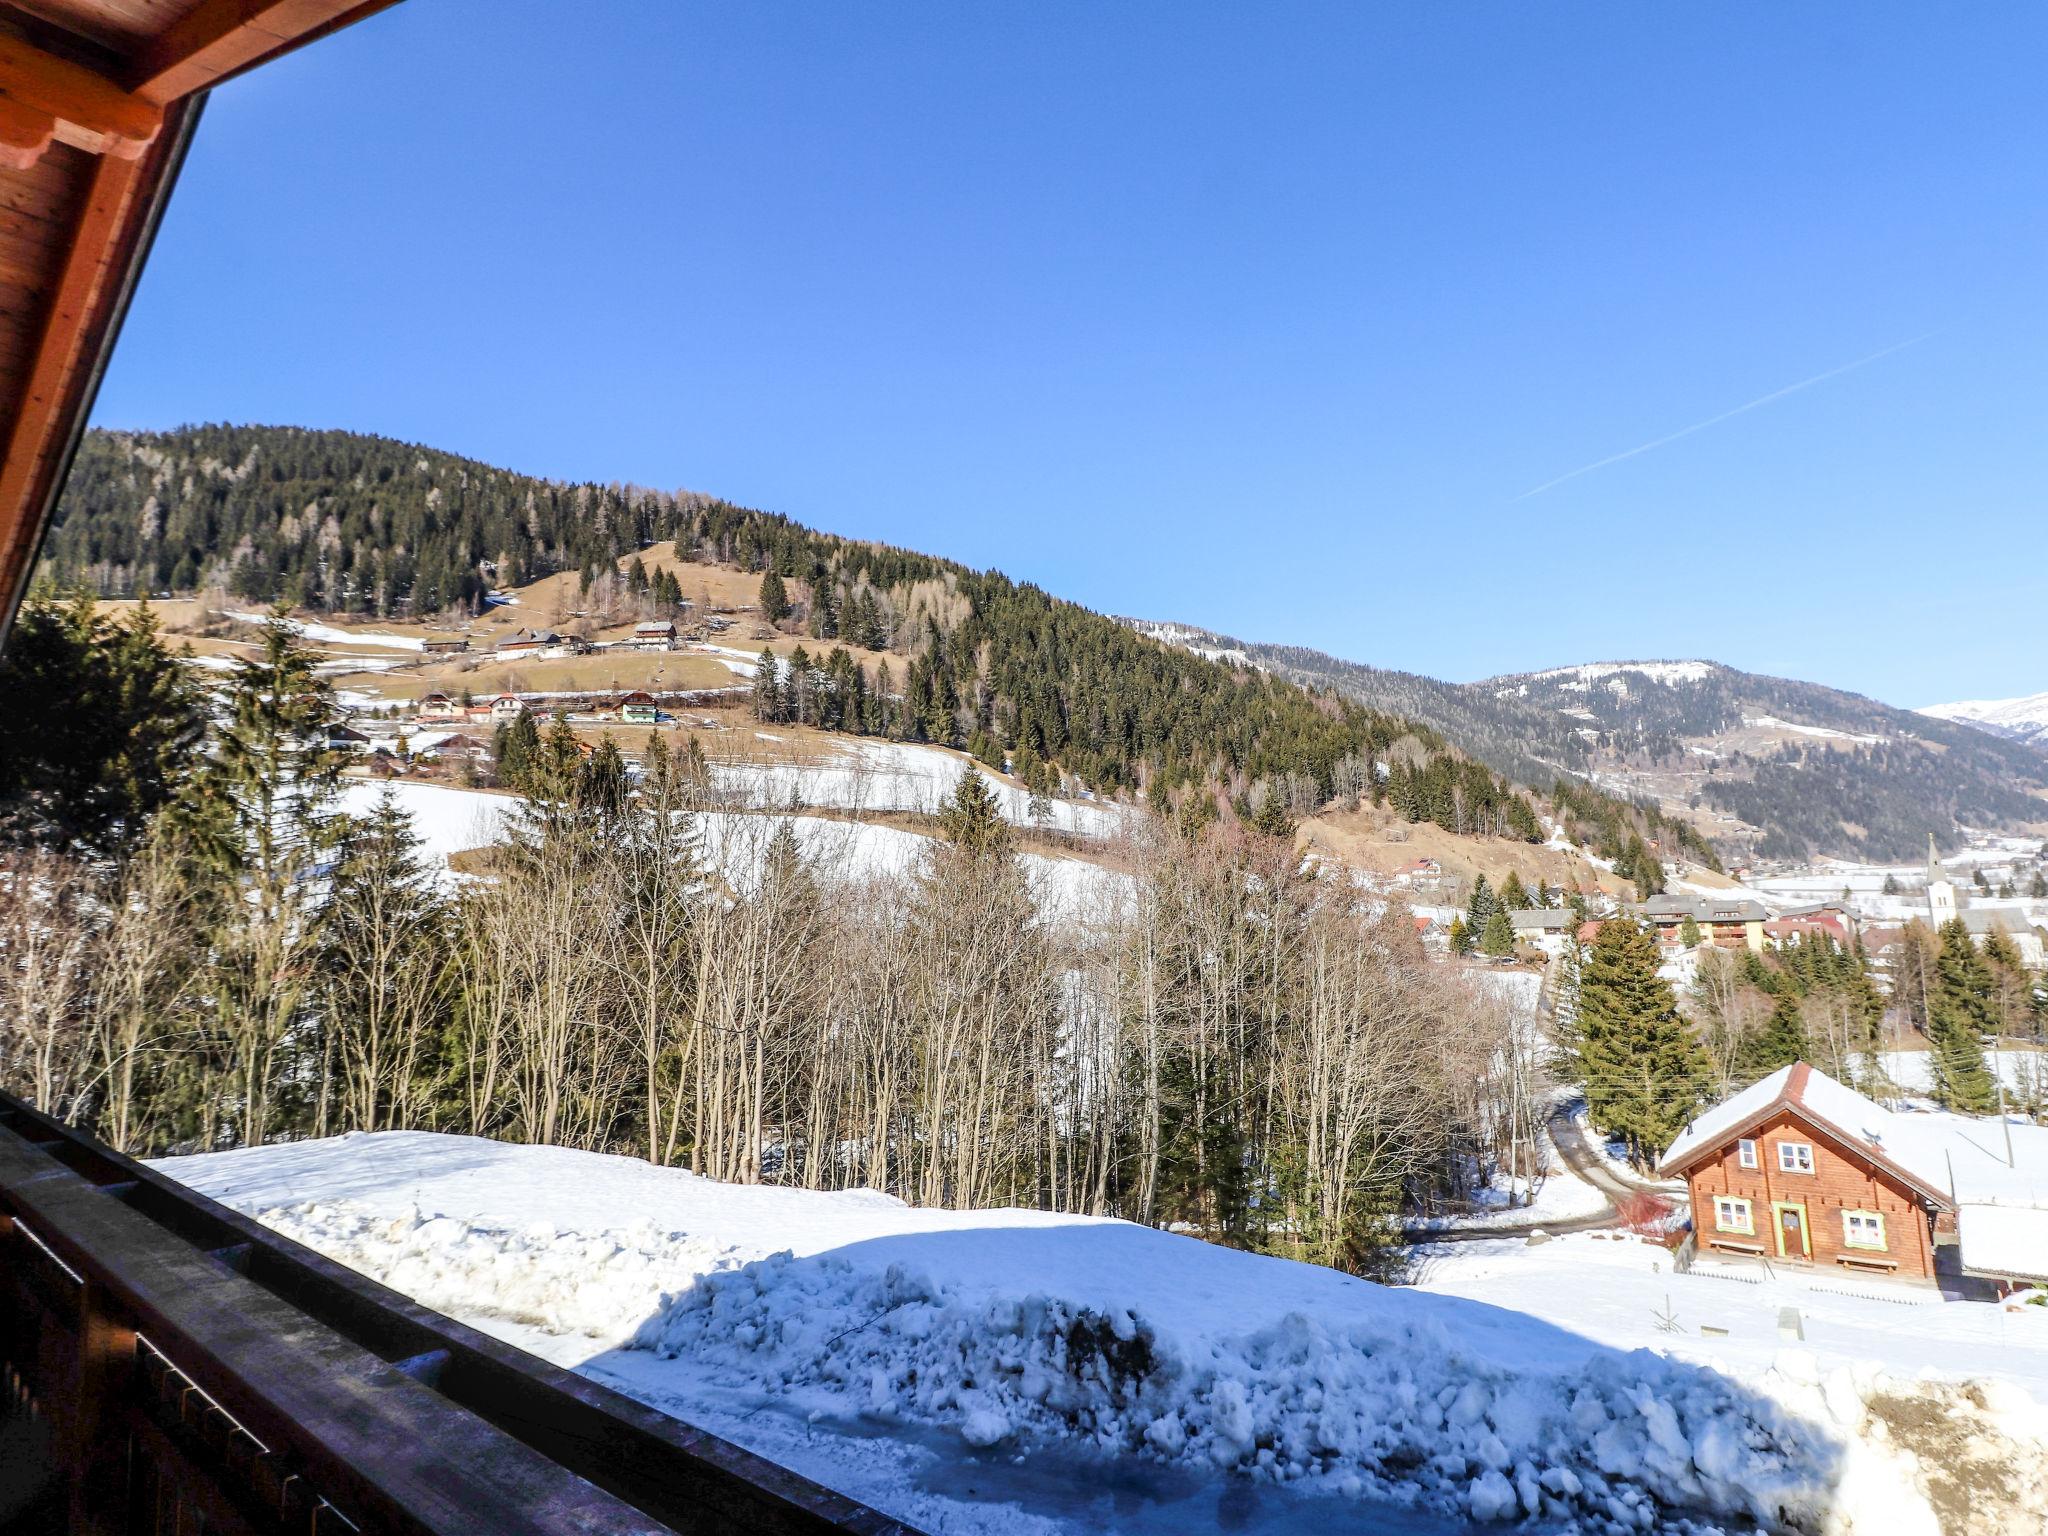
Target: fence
172 1367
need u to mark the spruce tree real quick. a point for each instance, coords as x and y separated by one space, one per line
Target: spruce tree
972 820
1960 1014
768 693
1643 1069
1689 932
1566 1062
1514 896
1480 908
118 723
774 598
1461 937
1498 937
1778 1043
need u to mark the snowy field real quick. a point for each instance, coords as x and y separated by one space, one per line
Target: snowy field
1016 1371
866 775
449 820
329 635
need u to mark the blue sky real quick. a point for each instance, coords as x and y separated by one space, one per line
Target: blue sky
1266 318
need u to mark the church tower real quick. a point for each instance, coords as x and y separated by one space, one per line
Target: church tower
1941 891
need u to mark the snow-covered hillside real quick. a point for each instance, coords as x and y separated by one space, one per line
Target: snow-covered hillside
448 821
863 774
2018 719
1615 674
898 1352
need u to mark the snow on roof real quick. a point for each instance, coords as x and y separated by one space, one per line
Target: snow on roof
1710 1126
2008 1241
1541 917
1995 920
1954 1155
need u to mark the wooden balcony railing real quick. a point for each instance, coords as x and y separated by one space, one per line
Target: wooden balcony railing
171 1367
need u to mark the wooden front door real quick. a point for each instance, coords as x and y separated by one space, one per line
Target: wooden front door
1791 1227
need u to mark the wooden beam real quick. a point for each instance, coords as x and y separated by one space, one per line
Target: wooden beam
24 134
86 110
218 38
109 236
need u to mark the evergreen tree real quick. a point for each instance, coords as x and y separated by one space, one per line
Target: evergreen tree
118 723
1643 1069
1514 896
769 699
261 812
972 821
1960 1015
601 779
1689 932
1778 1043
1480 908
1270 816
1461 937
1566 1061
515 748
1891 885
1498 937
774 598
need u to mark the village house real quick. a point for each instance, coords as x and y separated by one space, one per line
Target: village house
1983 922
1420 874
346 738
654 635
1723 922
439 708
1544 929
526 642
639 709
439 645
1791 929
1799 1169
505 708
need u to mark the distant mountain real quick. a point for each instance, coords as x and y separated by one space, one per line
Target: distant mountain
1531 746
2015 719
1766 767
1806 769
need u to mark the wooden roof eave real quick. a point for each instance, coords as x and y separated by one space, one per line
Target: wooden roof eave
103 263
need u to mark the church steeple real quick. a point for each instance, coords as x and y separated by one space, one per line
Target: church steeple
1941 891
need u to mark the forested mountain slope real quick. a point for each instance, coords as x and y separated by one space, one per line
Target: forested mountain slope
355 525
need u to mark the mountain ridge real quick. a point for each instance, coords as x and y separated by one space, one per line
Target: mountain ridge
2023 719
1776 767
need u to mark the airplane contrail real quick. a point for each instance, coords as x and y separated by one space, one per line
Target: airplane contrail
1711 421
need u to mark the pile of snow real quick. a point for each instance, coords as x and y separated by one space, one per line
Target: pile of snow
1018 1329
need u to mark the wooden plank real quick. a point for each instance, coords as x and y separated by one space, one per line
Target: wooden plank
678 1475
385 1448
79 310
25 134
219 38
90 111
